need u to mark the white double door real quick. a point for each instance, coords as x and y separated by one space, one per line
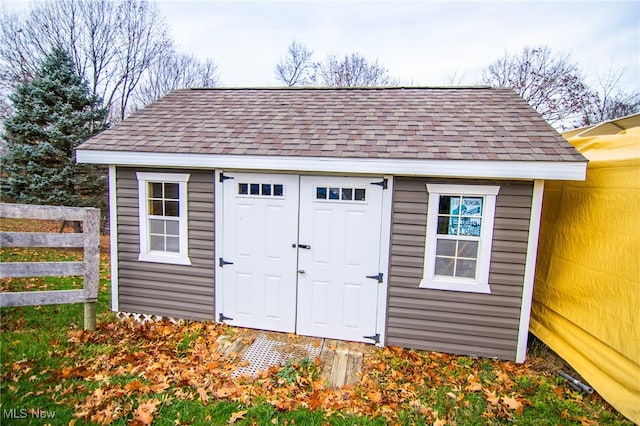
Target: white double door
301 254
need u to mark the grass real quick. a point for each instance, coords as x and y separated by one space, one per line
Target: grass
47 368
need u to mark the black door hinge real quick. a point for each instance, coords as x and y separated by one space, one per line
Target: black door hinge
223 318
375 337
384 183
376 277
223 177
223 262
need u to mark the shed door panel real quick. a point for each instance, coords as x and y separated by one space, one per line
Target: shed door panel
260 223
340 221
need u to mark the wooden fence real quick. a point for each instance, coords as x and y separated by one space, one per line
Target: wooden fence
89 267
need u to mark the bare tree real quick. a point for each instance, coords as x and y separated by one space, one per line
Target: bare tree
609 100
352 71
296 68
113 44
551 84
174 71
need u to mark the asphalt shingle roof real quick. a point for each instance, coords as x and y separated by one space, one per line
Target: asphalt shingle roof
398 123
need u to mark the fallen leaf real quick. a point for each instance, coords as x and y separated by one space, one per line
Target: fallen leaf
204 396
133 386
474 387
144 412
375 397
512 403
491 397
159 387
224 392
503 377
237 416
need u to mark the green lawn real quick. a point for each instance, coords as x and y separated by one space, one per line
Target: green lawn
52 372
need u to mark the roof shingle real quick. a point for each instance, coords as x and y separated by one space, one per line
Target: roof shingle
398 123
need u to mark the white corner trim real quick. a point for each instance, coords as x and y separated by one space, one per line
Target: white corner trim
529 270
385 247
113 237
528 170
218 189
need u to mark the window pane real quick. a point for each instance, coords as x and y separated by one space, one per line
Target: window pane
155 189
171 191
171 208
448 204
360 194
466 268
255 189
155 208
446 248
347 194
173 227
157 226
470 226
173 244
334 193
472 206
243 189
278 190
444 266
266 189
321 193
157 242
468 249
447 225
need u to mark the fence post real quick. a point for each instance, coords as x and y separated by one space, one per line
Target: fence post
91 266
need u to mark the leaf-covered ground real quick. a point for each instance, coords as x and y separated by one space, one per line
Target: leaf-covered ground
166 373
131 371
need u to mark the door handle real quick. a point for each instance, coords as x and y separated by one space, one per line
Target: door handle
302 246
301 271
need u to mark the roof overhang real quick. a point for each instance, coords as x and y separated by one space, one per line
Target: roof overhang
399 167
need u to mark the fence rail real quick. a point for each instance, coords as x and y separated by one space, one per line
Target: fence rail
89 267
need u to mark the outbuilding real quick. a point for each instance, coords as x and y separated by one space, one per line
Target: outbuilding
396 216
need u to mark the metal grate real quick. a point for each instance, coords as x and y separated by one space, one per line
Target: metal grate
265 353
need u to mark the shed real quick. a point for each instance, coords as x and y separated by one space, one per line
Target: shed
396 216
586 303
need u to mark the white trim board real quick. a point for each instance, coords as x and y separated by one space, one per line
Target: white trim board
113 237
385 259
529 270
398 167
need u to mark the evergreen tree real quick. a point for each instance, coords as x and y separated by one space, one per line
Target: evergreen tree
53 113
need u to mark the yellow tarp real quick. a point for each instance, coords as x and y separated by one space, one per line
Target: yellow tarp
586 302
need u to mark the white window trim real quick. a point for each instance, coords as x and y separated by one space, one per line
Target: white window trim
146 254
481 283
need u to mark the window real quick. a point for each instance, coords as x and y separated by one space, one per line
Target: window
340 194
459 236
261 189
163 217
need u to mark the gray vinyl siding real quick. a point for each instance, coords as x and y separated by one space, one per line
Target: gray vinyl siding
178 291
451 321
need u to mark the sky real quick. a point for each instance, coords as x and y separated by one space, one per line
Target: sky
427 42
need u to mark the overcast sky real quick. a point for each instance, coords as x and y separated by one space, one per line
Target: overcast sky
420 42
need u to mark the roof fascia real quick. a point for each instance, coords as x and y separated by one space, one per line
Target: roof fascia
574 170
